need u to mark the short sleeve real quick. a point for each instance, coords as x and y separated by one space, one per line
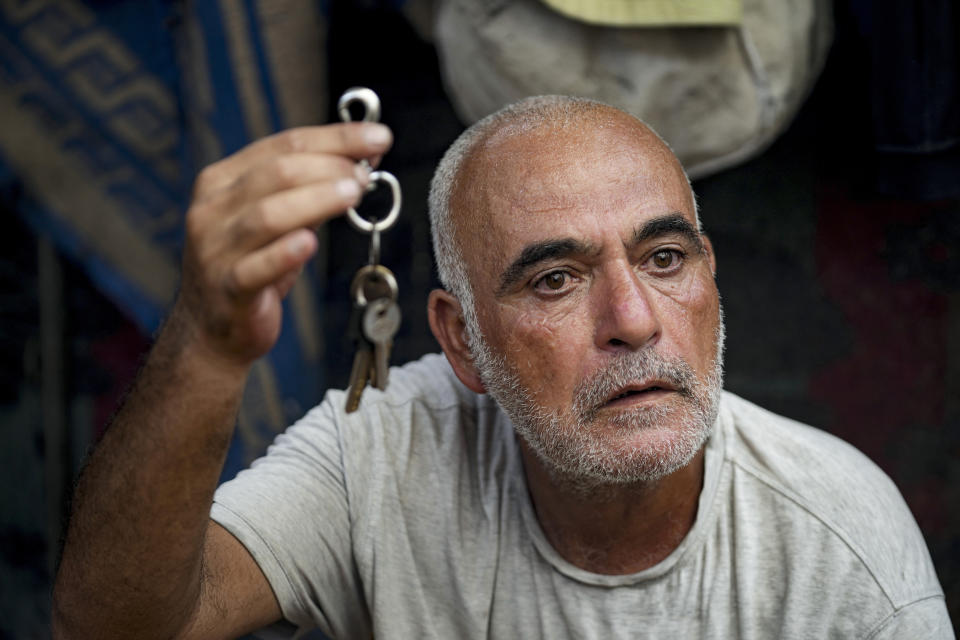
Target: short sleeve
290 511
926 618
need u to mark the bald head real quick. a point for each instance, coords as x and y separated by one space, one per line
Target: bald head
492 159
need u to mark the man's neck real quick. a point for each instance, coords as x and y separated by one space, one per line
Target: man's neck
615 529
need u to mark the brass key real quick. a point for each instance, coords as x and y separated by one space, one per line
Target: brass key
359 374
371 284
362 359
381 321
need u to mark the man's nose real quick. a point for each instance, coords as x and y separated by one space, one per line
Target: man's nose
626 314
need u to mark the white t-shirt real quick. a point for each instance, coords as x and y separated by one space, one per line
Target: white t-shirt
411 519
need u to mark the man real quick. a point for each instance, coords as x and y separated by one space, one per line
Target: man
608 488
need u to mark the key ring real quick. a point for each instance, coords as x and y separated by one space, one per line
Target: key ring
374 271
362 224
371 104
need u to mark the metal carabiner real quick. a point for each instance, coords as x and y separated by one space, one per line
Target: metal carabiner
371 104
370 100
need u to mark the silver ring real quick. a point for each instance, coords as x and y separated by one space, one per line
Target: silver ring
362 224
375 270
369 99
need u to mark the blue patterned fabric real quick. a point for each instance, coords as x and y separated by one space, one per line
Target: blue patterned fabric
108 109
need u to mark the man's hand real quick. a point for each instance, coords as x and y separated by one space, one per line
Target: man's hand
141 558
250 229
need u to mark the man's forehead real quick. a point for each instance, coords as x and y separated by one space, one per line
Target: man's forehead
517 176
525 142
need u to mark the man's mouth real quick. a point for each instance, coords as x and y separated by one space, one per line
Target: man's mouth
639 393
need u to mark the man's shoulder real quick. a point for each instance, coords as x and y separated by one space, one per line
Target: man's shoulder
428 382
820 483
797 455
424 408
431 380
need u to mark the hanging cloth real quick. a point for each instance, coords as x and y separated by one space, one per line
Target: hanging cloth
718 94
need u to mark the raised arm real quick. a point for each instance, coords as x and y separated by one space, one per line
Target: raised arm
141 558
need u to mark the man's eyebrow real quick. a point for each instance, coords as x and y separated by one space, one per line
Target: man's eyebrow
538 252
673 223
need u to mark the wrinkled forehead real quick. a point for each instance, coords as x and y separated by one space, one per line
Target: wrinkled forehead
531 144
558 165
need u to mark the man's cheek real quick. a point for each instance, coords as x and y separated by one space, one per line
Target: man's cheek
689 319
702 317
537 321
694 296
540 344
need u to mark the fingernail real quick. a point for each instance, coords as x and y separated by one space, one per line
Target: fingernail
298 244
377 135
348 188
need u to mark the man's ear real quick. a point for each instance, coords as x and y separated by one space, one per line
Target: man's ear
708 247
446 322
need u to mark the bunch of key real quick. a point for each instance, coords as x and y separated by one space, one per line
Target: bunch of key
375 318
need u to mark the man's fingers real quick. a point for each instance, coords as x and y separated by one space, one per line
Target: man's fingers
356 140
290 171
308 206
274 263
286 283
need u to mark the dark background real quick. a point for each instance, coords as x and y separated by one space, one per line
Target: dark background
842 304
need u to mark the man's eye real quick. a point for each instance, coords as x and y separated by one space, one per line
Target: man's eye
553 281
666 259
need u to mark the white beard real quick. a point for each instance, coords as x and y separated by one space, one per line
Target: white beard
637 445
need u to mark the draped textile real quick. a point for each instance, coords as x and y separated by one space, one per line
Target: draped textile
108 109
